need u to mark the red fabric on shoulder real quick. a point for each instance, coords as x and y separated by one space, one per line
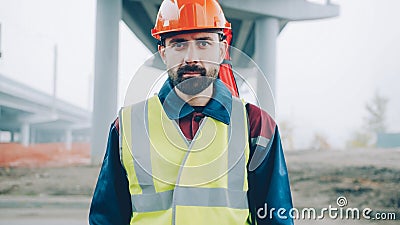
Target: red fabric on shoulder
116 124
261 123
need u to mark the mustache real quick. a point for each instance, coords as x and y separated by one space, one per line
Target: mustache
191 69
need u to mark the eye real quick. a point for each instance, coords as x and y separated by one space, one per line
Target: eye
178 45
203 44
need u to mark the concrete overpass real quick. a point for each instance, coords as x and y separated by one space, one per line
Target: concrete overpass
30 116
256 26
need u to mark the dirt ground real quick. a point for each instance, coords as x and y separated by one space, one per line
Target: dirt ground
45 184
60 194
367 178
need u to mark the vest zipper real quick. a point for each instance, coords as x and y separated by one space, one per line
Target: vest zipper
181 168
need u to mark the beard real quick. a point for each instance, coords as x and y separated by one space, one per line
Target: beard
193 85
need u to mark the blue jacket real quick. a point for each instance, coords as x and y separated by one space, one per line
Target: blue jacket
268 181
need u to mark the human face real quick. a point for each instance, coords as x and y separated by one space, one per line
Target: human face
193 60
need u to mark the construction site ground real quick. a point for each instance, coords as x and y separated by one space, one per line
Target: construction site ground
48 184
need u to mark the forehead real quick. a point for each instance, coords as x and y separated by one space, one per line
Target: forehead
194 36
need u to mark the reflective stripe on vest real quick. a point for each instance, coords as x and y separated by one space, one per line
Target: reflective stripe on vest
169 175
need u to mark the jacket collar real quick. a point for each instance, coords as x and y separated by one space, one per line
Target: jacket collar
219 107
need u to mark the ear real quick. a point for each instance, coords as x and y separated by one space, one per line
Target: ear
223 49
161 51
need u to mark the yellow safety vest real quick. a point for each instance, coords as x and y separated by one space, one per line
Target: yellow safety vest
180 182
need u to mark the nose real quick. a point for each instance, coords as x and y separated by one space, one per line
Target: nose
191 56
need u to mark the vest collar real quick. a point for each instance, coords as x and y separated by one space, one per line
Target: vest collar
219 107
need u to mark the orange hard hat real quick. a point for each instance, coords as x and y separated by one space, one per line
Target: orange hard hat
184 15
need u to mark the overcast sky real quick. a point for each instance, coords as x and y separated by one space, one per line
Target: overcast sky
329 69
326 70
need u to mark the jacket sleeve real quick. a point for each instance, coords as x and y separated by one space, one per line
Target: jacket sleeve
269 186
111 202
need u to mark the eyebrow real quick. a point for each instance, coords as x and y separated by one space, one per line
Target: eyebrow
179 40
204 39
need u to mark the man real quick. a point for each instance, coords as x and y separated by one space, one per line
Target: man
185 155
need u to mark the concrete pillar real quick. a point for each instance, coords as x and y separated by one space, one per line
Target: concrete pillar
25 134
55 63
68 139
105 95
266 33
33 136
